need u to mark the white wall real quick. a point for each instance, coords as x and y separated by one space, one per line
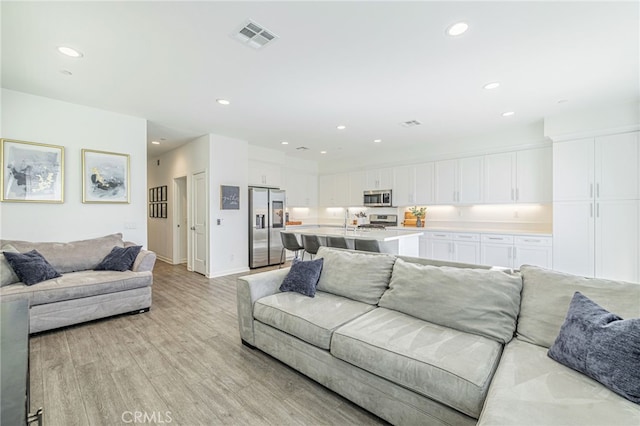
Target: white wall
43 120
181 162
229 241
594 121
226 162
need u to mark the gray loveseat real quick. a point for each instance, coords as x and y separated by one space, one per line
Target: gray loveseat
423 342
80 294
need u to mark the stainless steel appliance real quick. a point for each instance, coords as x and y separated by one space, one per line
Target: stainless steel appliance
266 220
377 198
381 221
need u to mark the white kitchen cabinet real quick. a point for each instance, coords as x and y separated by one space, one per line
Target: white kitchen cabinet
301 187
532 250
574 237
265 174
534 175
379 179
357 186
597 239
459 181
596 223
413 185
513 251
453 246
497 250
605 168
518 177
424 191
404 190
334 190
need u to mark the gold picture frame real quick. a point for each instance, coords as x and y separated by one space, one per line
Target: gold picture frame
31 172
105 177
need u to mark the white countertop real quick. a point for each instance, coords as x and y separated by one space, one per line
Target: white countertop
477 231
365 234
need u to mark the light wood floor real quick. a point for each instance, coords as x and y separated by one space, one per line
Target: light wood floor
182 363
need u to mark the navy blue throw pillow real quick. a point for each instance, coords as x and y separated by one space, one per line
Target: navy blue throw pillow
601 345
303 277
120 259
31 267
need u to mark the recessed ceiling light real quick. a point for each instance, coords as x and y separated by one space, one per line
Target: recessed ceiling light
323 152
377 140
284 143
65 50
341 127
223 101
492 85
457 29
508 114
155 142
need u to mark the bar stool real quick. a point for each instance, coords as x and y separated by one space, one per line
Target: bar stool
337 242
367 245
311 244
289 242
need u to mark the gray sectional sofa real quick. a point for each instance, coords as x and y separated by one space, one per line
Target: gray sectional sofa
80 294
420 342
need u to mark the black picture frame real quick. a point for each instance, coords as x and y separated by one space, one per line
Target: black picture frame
229 197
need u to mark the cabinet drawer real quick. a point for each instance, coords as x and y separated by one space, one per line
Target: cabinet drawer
534 241
497 239
440 235
466 237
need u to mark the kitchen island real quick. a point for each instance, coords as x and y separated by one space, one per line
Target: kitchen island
402 242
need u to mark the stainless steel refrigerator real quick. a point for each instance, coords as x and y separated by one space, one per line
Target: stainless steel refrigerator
266 220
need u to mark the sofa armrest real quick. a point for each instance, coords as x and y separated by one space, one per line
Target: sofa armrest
145 261
251 288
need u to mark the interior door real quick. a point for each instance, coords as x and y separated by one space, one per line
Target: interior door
199 224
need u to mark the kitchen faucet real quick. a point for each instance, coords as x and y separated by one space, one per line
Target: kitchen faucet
346 218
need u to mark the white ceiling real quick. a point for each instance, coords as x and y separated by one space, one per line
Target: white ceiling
367 65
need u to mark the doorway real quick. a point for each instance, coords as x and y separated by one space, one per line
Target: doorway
199 224
180 221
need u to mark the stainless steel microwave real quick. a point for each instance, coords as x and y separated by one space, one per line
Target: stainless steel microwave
377 198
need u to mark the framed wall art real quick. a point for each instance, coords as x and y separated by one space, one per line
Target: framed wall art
31 172
105 177
229 197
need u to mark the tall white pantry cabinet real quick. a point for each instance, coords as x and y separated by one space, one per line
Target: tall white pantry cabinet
596 206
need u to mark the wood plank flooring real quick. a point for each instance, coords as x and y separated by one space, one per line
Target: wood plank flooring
181 363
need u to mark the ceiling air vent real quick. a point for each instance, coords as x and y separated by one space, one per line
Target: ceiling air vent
302 148
254 35
411 123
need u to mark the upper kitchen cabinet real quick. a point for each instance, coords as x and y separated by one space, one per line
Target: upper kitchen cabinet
334 190
413 185
604 168
459 181
265 174
518 177
357 185
378 179
301 187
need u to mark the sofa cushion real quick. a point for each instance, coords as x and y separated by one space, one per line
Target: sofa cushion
7 275
73 256
312 320
75 285
119 259
31 267
531 389
601 345
477 301
446 365
303 277
358 276
546 296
